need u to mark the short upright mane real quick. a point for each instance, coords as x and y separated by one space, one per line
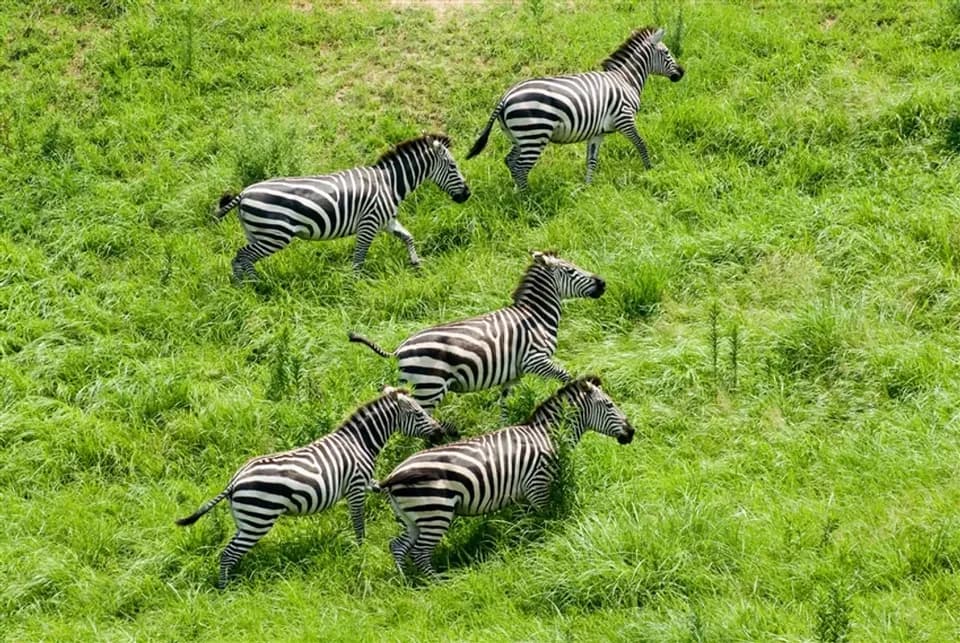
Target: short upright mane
627 50
411 145
551 404
525 281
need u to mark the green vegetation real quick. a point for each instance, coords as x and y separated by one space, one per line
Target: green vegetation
781 324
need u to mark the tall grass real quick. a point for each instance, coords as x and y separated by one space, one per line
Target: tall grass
780 323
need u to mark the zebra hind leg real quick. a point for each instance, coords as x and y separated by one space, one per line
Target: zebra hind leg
422 550
520 160
399 547
241 543
248 255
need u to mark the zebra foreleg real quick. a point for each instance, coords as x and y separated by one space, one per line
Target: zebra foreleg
628 128
241 543
355 497
399 231
504 392
593 151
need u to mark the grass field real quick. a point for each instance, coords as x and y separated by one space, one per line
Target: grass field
781 322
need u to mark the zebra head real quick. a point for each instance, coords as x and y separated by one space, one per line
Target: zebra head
597 411
661 60
412 420
444 171
569 279
644 53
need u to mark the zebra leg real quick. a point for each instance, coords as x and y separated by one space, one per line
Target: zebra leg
251 253
521 159
428 395
399 231
504 392
628 128
593 150
538 492
399 547
365 234
241 543
430 534
355 497
542 365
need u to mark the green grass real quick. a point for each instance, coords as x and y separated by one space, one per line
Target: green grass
781 324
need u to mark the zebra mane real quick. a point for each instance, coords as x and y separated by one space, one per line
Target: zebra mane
525 281
627 52
421 143
549 408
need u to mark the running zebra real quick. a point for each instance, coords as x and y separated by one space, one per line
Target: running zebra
498 348
580 107
360 201
483 474
313 477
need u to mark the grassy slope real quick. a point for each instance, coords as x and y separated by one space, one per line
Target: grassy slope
803 198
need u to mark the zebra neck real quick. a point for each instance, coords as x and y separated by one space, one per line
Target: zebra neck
634 75
555 421
538 292
405 174
371 425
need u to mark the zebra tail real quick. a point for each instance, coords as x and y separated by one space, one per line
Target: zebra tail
360 339
485 134
207 506
227 202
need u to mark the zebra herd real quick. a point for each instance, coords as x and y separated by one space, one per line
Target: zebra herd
475 475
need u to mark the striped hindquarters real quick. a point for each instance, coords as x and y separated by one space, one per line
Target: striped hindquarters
562 109
320 207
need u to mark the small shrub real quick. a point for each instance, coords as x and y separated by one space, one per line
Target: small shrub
833 616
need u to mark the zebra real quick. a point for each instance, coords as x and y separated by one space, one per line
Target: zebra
359 201
580 107
497 348
483 474
313 477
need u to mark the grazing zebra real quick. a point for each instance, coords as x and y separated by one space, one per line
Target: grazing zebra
580 107
314 477
483 474
495 349
359 201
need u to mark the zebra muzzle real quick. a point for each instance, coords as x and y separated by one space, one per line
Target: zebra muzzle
627 436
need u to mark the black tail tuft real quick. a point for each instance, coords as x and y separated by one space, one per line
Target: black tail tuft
485 134
189 520
227 202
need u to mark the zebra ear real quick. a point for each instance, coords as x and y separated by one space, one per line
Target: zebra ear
593 379
538 257
657 36
388 390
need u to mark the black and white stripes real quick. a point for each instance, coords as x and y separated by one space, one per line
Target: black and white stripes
360 201
314 477
497 348
580 107
483 474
